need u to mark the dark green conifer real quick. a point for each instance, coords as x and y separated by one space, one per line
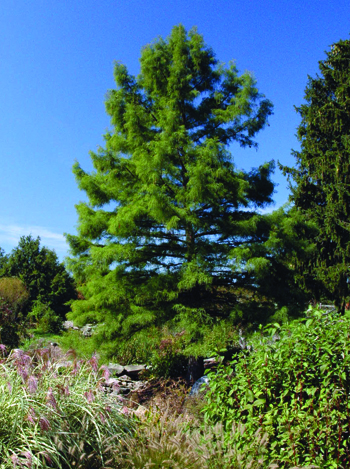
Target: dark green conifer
322 174
166 203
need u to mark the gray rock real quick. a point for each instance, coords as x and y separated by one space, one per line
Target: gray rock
68 324
210 363
134 370
87 330
110 382
115 369
198 384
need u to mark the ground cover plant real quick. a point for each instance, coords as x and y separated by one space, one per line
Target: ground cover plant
54 416
294 386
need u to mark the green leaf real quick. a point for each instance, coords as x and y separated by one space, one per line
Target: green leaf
259 402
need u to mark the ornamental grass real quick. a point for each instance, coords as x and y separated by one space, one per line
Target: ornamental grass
54 414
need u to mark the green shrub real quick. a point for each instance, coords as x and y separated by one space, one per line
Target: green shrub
296 389
46 319
84 346
55 417
169 360
8 327
14 292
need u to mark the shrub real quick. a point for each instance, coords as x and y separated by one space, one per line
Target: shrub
8 327
46 319
14 293
54 417
169 360
296 389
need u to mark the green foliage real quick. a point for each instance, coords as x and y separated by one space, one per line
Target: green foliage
276 266
3 260
322 174
295 387
169 359
46 319
166 203
57 420
8 327
14 292
43 275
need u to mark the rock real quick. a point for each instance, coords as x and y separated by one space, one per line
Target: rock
68 324
87 330
134 370
125 378
115 369
198 384
210 363
124 390
141 412
122 385
111 382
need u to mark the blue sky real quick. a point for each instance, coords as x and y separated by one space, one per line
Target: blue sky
57 65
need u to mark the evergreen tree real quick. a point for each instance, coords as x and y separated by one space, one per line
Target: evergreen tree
322 174
166 204
44 276
3 260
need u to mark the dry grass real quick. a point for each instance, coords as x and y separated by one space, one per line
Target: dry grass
170 441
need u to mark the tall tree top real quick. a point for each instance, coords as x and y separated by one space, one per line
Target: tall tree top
182 84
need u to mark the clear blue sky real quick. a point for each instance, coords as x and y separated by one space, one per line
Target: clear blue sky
57 65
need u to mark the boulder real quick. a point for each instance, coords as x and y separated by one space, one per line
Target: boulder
134 370
196 388
115 369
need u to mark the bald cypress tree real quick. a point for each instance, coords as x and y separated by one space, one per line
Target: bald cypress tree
166 203
322 174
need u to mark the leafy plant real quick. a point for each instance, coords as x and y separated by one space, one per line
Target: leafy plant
46 319
294 386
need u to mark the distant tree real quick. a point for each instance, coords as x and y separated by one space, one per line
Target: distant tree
3 260
322 175
166 203
44 276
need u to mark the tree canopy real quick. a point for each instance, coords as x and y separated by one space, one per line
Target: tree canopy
167 206
41 272
322 175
